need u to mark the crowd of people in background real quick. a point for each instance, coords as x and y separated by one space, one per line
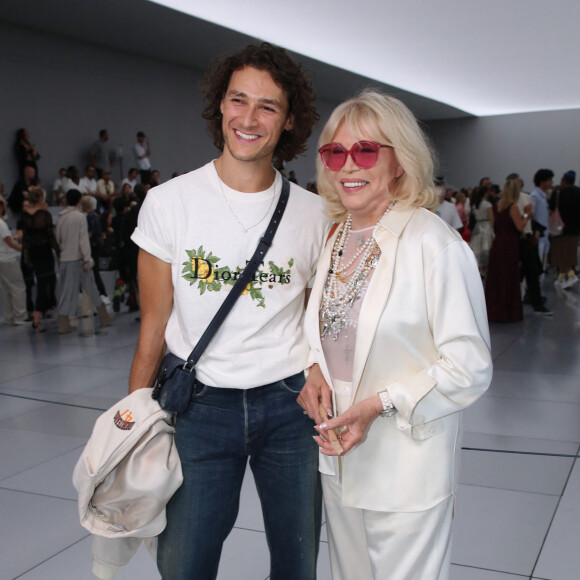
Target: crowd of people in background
56 240
515 236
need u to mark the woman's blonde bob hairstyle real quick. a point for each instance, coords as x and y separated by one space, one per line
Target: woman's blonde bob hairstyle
373 115
88 203
509 194
36 195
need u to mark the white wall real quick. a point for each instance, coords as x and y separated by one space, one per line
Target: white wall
64 91
496 146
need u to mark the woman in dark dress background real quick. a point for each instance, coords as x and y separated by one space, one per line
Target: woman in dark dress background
502 284
564 248
25 152
38 243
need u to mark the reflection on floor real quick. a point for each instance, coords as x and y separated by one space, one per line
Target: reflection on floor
517 513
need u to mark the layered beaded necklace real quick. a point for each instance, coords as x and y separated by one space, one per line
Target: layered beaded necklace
345 281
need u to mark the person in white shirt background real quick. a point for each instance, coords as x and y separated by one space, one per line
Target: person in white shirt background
88 183
131 178
13 289
142 152
447 210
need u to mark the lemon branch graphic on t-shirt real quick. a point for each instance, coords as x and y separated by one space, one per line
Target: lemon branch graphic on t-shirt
204 270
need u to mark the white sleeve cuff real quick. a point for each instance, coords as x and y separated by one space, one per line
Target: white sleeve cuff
104 571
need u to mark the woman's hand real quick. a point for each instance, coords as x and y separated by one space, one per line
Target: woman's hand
354 423
314 392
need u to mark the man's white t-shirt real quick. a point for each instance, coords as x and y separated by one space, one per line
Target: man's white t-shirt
131 183
142 163
68 184
188 223
57 185
448 213
7 254
88 185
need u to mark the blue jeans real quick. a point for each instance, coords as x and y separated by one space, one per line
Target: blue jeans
220 429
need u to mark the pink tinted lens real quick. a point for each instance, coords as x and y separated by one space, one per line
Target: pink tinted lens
333 156
365 153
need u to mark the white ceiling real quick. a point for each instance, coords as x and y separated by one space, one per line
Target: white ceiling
145 28
487 57
444 58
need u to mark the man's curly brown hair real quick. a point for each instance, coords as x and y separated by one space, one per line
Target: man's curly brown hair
286 74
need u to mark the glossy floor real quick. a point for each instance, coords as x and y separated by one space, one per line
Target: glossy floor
518 506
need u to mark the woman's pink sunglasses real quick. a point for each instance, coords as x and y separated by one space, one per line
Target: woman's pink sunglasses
364 153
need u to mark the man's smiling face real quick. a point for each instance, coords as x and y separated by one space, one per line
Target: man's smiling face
255 113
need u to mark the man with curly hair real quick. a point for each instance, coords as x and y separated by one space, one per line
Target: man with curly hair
196 233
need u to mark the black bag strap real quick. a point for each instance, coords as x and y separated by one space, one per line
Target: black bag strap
244 279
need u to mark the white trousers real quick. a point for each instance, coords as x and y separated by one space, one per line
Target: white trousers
373 545
543 246
13 291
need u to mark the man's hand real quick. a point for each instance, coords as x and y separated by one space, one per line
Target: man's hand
314 392
351 425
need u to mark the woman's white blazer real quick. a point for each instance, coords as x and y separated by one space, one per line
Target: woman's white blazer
422 335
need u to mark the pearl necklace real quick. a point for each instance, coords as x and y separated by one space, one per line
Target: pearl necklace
337 300
344 241
246 229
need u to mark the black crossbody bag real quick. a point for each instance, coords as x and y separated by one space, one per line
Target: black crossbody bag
176 377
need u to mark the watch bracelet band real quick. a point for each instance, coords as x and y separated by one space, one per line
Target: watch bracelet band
388 407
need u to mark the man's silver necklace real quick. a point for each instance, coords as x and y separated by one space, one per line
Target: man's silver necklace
247 229
342 287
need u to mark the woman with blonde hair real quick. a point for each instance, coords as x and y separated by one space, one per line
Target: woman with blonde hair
38 243
502 284
400 345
